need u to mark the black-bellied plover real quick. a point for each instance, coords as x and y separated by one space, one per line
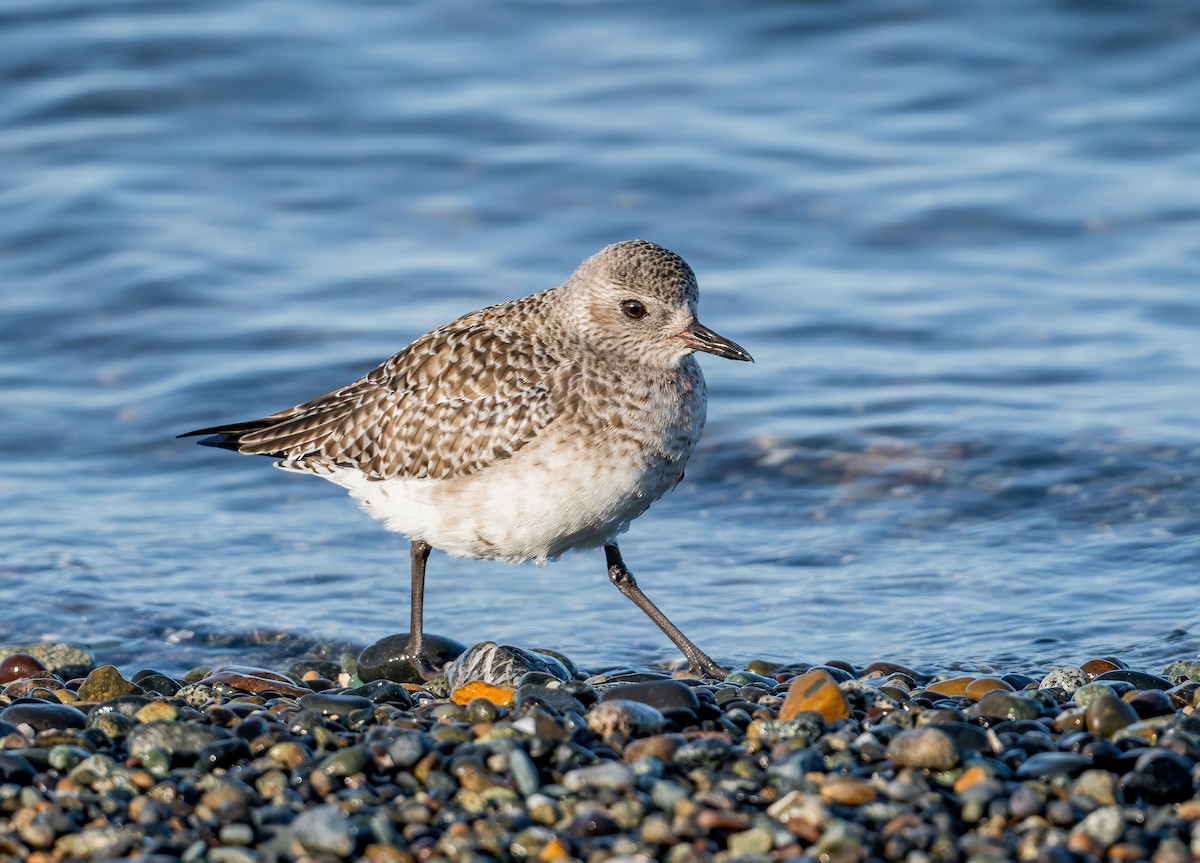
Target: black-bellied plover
523 430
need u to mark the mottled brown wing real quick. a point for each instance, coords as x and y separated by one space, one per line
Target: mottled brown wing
451 403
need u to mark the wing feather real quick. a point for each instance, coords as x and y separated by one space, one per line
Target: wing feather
456 400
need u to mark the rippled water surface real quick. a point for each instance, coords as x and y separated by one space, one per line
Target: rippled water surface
961 240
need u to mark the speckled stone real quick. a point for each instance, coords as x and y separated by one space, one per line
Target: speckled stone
1064 677
65 660
627 718
106 682
928 748
500 665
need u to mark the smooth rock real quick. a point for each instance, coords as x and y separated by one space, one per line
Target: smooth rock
1183 671
104 683
815 691
500 665
43 716
249 678
628 718
1064 677
174 738
1044 766
18 666
611 776
387 658
334 705
999 704
1107 714
1105 825
926 748
15 769
981 686
659 694
325 830
1160 777
65 660
1137 679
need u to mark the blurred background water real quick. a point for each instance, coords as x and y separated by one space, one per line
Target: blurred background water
959 238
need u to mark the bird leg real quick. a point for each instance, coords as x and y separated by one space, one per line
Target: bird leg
417 654
622 578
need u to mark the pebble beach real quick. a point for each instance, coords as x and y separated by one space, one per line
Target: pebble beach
522 755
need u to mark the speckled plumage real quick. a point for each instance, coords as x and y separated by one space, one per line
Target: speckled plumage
523 430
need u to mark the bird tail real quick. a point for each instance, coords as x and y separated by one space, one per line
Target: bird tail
230 436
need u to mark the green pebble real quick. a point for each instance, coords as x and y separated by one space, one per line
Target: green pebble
346 762
746 678
64 758
157 762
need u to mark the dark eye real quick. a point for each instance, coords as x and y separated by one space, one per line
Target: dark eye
633 309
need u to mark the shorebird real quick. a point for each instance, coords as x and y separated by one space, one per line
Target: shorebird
523 430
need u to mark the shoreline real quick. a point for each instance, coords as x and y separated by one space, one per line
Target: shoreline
516 755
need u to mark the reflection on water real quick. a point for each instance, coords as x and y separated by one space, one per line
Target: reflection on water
959 242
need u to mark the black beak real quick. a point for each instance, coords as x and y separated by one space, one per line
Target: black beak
701 338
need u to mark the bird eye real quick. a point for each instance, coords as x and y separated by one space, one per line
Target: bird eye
633 309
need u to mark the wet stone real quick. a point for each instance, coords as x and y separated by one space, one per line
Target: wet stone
18 666
1006 705
1137 679
981 686
1044 766
927 748
104 683
43 716
1160 777
557 700
612 776
332 705
151 680
387 658
500 665
65 660
1182 671
15 769
1107 714
659 694
815 691
627 718
380 691
174 738
1095 667
325 830
1152 702
244 678
1064 677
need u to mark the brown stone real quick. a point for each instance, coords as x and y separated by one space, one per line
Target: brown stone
1126 851
970 777
106 682
709 820
981 686
1093 668
817 691
660 746
1083 843
952 687
248 678
847 790
19 666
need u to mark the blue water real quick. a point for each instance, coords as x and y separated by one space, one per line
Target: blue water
961 240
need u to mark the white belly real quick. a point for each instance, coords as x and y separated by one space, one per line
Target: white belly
535 506
576 486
